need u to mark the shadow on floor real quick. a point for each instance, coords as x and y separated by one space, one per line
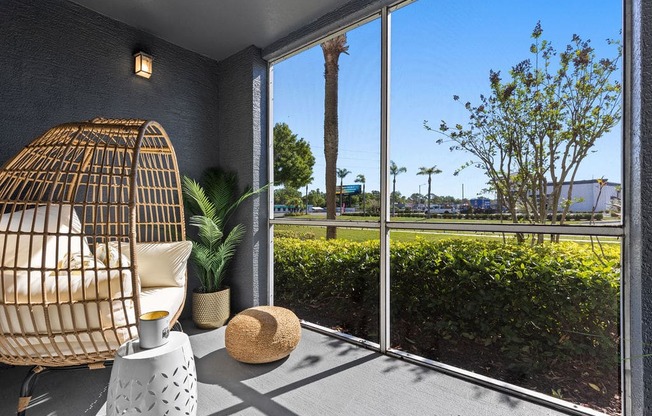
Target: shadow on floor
231 375
322 377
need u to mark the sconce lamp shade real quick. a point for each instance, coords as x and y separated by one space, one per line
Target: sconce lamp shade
143 65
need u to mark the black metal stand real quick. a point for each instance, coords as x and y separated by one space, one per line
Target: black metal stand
177 326
27 388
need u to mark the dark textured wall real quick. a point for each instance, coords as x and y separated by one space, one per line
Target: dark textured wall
638 260
242 148
60 62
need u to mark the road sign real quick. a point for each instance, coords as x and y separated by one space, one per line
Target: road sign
350 190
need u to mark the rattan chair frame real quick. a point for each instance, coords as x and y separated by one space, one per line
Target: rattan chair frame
122 179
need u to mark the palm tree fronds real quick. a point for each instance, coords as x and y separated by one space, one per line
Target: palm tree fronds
203 258
211 206
198 201
248 192
221 187
208 229
226 251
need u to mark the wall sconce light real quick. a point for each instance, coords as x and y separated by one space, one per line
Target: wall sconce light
143 65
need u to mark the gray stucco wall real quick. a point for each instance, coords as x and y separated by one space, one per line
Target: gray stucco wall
638 260
242 148
60 62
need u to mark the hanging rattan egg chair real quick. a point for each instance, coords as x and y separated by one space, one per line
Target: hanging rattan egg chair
92 235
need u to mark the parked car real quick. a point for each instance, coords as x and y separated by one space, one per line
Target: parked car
441 209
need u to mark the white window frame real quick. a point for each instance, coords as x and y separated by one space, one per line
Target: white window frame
384 225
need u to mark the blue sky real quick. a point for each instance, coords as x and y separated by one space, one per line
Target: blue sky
439 49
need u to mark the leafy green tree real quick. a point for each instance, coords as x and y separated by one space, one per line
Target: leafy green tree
429 171
295 204
538 125
316 198
373 202
332 49
394 170
398 198
342 173
293 158
416 198
361 179
286 196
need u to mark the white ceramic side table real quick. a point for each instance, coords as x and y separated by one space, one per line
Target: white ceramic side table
160 381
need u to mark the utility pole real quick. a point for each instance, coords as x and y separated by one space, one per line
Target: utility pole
420 195
306 199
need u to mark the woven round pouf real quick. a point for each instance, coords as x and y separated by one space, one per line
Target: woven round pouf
262 334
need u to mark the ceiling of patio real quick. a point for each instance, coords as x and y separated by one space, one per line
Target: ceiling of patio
216 29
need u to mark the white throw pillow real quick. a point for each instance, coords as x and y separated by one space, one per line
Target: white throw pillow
25 250
112 254
78 261
161 264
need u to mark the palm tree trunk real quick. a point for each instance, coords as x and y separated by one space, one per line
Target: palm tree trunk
393 197
428 206
332 50
363 200
331 144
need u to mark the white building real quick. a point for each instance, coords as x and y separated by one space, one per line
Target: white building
586 193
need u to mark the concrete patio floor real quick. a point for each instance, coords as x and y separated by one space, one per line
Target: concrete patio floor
323 376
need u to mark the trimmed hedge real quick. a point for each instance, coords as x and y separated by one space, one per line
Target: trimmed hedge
536 304
571 216
280 233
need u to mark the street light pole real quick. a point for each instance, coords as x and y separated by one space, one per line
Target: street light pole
423 184
306 199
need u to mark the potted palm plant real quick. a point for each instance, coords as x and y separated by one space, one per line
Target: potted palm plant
211 204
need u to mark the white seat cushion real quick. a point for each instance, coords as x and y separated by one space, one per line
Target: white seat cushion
87 326
79 327
162 298
54 314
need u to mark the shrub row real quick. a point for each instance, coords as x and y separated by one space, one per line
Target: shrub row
571 216
535 304
299 235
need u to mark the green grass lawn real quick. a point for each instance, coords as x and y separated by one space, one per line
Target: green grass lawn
357 234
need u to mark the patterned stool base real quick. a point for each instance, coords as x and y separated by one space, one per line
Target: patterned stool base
158 382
